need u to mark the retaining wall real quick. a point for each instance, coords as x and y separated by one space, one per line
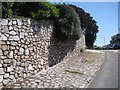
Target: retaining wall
28 46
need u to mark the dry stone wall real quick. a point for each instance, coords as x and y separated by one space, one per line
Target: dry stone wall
28 46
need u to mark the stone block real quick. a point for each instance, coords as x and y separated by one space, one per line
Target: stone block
5 29
10 28
11 54
27 51
9 69
21 51
0 65
3 37
4 22
16 38
22 34
12 32
4 47
11 76
1 53
1 78
14 22
6 81
7 61
19 22
10 23
30 67
1 71
6 75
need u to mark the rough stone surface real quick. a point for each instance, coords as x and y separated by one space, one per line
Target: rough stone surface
1 78
70 73
28 46
3 37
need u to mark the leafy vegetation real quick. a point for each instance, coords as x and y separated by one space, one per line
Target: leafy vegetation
67 18
68 23
88 24
36 10
7 9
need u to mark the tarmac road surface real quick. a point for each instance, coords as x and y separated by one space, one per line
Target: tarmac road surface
107 76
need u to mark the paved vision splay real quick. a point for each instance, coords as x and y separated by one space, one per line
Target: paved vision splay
107 77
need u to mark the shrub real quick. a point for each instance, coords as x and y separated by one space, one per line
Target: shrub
47 11
36 10
7 9
67 26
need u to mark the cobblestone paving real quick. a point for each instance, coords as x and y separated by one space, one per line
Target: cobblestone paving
75 72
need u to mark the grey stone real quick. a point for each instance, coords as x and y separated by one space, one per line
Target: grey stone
11 76
12 48
4 47
1 78
1 53
30 67
9 69
27 51
1 71
42 61
0 34
6 81
13 43
22 34
12 33
5 53
4 22
6 75
11 54
11 38
19 22
0 65
1 85
21 51
5 30
14 63
16 38
3 37
10 23
14 22
10 28
29 22
7 61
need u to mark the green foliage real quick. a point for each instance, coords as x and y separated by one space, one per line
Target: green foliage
7 9
68 24
47 11
36 10
88 24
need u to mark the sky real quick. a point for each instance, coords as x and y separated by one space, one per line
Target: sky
106 15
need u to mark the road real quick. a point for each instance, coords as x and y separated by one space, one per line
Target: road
107 76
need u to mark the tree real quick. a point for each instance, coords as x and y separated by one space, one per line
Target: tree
36 10
67 26
88 25
7 9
